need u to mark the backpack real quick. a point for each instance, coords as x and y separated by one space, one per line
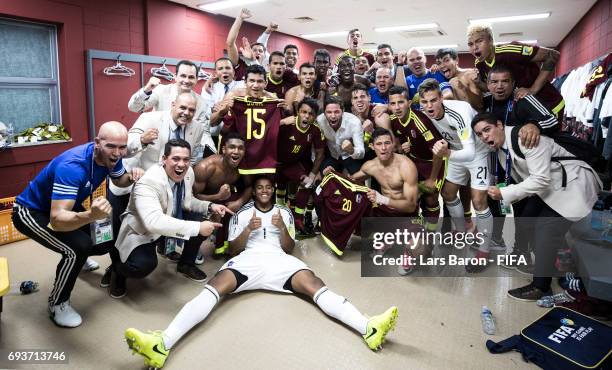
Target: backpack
581 149
562 339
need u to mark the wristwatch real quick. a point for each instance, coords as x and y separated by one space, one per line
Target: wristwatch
209 209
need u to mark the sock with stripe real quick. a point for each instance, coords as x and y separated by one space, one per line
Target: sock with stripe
484 224
455 209
280 196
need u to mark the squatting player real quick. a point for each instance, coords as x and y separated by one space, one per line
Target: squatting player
261 236
217 180
397 176
468 161
416 135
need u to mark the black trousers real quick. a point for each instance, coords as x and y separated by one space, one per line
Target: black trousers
546 229
119 204
350 164
74 246
143 259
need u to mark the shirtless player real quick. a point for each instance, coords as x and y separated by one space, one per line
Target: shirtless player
397 176
217 180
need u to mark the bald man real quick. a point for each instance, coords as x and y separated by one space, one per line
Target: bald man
145 147
50 210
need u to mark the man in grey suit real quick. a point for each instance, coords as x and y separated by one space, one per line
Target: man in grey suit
553 203
158 207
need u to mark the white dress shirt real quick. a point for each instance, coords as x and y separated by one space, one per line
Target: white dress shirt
350 129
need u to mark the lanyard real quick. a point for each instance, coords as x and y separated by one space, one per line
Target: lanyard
508 110
508 166
91 176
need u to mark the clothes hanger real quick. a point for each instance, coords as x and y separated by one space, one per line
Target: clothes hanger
203 75
119 69
162 72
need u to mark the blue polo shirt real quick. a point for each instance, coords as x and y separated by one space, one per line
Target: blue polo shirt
413 82
376 97
72 175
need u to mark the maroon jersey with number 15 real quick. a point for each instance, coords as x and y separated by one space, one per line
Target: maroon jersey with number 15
257 120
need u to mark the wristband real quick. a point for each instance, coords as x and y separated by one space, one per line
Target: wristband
381 199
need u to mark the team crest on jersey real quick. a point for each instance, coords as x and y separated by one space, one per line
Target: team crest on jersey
428 135
358 198
527 50
292 137
308 138
413 133
88 185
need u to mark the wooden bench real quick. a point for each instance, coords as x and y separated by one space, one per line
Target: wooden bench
4 280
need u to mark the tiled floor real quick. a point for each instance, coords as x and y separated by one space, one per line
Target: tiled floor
438 326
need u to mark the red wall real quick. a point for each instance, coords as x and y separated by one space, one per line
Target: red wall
150 27
589 39
201 36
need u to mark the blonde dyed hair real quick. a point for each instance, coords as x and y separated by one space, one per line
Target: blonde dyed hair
480 28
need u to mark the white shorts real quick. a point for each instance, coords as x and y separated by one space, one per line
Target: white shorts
269 271
477 172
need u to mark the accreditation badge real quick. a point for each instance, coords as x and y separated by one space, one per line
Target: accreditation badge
101 230
506 208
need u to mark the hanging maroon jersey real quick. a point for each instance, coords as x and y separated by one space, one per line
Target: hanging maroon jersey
257 120
342 204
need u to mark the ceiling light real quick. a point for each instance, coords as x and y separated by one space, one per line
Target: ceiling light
218 5
426 26
521 41
510 18
436 47
324 34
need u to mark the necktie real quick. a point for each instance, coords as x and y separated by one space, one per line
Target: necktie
177 133
226 88
177 192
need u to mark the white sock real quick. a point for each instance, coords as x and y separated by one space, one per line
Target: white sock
484 224
190 315
455 209
341 309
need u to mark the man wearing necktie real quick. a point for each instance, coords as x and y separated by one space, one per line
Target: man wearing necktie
551 203
162 209
146 141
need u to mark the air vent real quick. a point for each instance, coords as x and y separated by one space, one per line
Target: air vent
303 19
422 33
510 34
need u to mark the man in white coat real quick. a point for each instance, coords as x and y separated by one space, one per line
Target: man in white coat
146 141
554 203
155 96
157 208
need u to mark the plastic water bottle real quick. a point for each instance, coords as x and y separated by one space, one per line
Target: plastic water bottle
10 132
486 318
23 288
